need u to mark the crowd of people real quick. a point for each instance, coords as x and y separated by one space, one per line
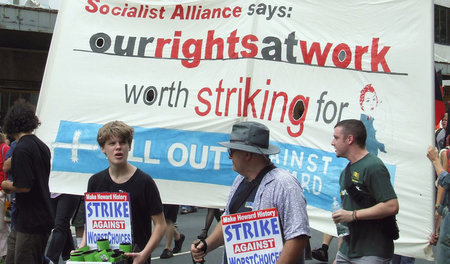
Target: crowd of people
369 203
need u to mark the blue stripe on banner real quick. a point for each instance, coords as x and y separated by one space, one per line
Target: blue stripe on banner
317 170
195 156
163 153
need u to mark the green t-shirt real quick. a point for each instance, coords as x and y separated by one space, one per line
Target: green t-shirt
366 238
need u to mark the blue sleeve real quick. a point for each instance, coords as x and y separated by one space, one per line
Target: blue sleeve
444 180
291 206
10 150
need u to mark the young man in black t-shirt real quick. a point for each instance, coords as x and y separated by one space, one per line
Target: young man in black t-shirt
115 140
34 216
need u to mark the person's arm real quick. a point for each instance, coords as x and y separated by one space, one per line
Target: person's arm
292 250
83 239
444 159
438 164
9 187
378 211
433 156
443 179
213 241
289 198
159 224
82 243
440 194
437 216
7 165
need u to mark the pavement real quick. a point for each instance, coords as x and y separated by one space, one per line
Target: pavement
191 224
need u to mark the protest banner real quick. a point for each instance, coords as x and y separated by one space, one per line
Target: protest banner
183 72
108 216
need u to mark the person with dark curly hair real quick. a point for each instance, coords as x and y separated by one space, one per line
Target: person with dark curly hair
34 216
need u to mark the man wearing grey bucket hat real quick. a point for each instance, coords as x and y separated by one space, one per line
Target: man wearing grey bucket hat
261 185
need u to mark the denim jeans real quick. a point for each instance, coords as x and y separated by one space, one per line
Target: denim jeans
341 258
398 259
443 244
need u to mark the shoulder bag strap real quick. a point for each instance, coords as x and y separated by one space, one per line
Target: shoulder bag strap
255 183
357 193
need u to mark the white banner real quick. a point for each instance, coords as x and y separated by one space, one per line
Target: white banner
183 72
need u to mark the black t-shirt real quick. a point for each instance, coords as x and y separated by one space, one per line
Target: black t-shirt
31 168
144 198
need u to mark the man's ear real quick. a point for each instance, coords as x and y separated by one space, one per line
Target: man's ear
102 149
350 139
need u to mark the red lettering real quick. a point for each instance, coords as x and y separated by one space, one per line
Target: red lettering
245 99
161 12
219 91
249 99
176 45
378 57
130 13
315 49
104 9
237 11
194 55
108 224
359 52
253 49
153 13
240 100
178 12
227 104
232 40
204 101
226 12
348 55
160 46
263 108
115 11
301 120
210 42
93 5
283 110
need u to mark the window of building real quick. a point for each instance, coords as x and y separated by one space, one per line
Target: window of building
441 25
9 96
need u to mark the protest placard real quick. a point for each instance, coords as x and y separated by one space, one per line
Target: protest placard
108 216
252 237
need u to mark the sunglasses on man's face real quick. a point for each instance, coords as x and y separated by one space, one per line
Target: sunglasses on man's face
230 152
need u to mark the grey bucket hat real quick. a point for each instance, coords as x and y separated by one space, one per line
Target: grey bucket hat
251 137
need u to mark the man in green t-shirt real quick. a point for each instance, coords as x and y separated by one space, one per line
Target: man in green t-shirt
367 242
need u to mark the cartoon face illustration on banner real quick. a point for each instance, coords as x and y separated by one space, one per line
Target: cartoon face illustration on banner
368 101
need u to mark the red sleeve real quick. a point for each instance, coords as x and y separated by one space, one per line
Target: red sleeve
3 151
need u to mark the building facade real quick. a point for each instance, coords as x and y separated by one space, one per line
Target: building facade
26 29
442 44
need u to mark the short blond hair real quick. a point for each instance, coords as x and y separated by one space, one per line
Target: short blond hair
115 129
